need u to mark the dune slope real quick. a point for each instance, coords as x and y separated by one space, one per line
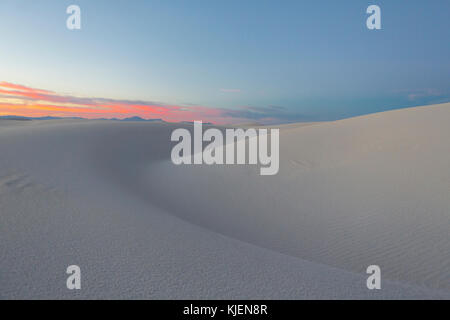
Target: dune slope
350 193
103 195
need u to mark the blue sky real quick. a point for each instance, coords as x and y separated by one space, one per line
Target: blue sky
286 60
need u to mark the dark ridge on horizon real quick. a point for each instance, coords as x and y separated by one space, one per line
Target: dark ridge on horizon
22 118
256 123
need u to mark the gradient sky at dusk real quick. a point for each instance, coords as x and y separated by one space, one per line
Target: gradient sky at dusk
222 61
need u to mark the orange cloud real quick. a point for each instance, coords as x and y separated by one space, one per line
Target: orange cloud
20 100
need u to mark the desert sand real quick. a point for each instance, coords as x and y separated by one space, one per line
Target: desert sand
105 195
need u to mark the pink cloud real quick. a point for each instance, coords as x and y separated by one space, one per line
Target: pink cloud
19 100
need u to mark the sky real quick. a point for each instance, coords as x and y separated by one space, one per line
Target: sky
222 61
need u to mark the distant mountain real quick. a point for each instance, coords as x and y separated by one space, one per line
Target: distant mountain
139 119
192 122
34 118
75 118
19 118
47 118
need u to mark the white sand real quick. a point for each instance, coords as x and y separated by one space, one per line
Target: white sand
103 195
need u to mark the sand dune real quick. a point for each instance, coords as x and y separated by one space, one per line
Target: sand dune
104 195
